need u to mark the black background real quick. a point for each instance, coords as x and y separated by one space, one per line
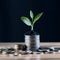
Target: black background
12 29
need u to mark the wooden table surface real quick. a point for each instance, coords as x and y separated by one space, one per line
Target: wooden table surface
31 56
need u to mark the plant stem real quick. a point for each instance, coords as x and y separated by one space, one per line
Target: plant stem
31 27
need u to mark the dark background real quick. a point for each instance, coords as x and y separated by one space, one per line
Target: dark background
12 29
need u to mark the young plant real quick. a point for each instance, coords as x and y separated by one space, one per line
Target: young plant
33 20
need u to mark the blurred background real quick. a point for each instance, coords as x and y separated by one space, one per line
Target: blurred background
12 29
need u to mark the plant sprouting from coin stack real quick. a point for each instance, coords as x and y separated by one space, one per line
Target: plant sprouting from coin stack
33 20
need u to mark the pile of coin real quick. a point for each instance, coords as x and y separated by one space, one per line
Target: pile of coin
20 49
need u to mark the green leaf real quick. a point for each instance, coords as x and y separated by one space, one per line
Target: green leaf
26 20
37 17
31 14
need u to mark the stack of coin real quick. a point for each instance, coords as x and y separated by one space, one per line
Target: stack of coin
20 47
